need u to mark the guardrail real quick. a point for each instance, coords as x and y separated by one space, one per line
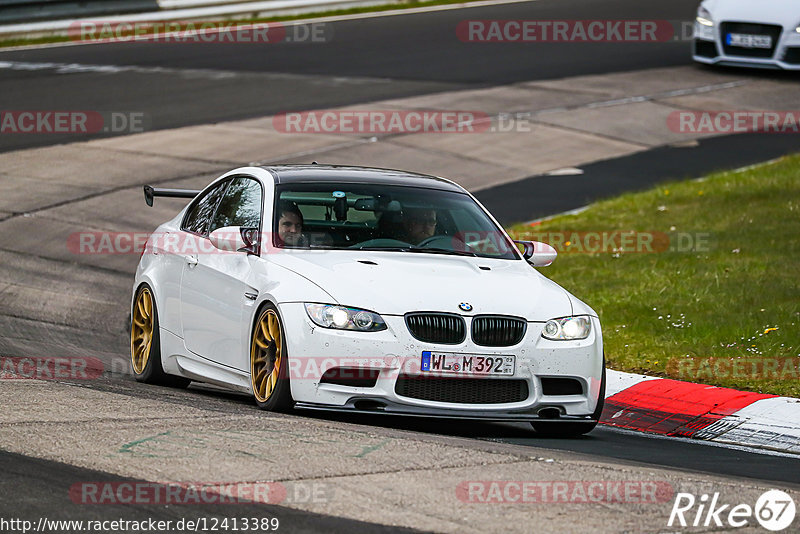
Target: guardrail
13 11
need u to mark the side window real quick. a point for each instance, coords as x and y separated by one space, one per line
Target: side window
241 205
200 213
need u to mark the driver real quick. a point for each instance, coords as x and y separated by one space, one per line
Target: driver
419 224
290 225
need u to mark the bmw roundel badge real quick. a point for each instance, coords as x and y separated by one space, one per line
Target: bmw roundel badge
465 306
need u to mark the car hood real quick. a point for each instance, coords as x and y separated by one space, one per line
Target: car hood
783 12
395 283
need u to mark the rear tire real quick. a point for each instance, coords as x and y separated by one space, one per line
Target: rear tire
269 363
574 429
146 343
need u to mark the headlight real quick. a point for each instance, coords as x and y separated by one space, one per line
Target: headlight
344 318
567 328
704 17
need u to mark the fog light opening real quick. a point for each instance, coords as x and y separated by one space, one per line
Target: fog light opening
549 413
369 405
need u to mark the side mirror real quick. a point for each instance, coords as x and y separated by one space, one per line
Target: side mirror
537 253
235 239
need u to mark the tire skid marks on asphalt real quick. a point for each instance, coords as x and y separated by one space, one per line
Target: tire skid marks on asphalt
663 95
212 74
770 423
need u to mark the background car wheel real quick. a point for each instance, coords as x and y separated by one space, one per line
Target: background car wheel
269 366
571 430
146 343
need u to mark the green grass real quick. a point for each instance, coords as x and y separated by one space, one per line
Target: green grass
392 5
21 41
734 299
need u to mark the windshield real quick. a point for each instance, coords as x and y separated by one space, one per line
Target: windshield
388 218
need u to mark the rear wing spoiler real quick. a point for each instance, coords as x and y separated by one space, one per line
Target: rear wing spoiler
150 192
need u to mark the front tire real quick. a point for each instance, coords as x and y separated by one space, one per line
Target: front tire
146 343
573 430
269 364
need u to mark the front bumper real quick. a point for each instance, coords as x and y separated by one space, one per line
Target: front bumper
392 353
708 48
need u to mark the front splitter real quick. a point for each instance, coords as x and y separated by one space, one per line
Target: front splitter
369 406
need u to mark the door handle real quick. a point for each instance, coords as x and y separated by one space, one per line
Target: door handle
191 260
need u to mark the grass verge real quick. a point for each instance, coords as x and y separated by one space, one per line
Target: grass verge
718 299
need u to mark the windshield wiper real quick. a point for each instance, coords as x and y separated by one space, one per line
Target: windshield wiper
436 250
431 250
385 249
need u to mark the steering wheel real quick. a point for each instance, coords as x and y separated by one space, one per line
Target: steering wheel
428 240
447 242
381 242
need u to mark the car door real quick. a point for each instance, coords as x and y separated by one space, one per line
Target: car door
214 292
176 248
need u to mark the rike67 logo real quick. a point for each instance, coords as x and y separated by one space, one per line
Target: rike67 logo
774 510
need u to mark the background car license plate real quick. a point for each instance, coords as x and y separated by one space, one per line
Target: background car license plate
469 364
749 41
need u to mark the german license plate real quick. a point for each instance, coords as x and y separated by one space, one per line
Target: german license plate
746 40
468 364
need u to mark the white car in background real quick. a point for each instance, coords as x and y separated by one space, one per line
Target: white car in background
364 290
748 33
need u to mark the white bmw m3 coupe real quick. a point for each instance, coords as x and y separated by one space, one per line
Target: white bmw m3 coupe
746 33
366 290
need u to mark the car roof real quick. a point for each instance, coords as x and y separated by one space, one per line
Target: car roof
293 174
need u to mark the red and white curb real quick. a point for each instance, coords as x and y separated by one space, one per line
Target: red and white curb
699 411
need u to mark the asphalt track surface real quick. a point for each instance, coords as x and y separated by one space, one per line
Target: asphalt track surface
46 487
387 57
540 196
627 447
365 60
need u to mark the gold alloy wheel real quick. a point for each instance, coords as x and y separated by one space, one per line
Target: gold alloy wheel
266 355
141 330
